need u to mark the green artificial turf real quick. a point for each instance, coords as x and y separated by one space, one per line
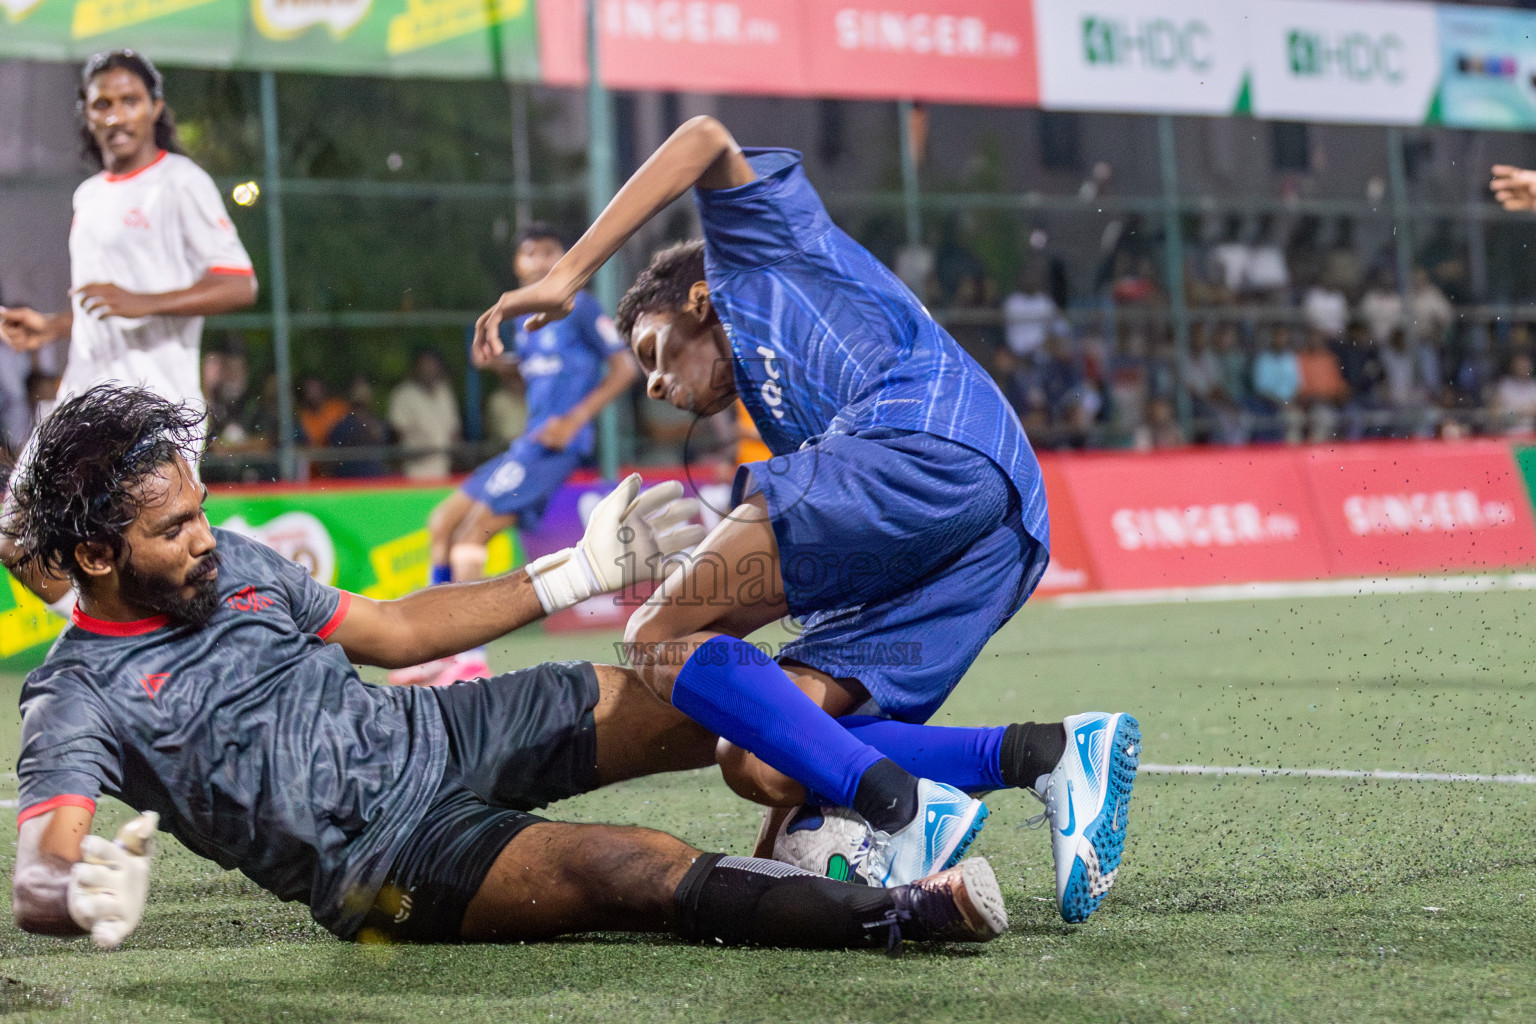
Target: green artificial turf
1241 899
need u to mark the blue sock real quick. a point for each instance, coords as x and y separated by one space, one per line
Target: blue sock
738 692
442 574
968 759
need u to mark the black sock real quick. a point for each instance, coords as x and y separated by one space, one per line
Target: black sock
887 796
737 900
1031 750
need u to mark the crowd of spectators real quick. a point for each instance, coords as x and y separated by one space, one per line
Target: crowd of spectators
1287 343
1300 340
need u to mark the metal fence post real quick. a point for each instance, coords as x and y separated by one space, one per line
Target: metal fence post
278 275
1173 266
910 197
600 189
1402 230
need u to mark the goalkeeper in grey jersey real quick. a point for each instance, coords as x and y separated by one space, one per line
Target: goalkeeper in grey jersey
208 683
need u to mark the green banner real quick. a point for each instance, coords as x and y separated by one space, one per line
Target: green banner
369 541
1526 457
428 38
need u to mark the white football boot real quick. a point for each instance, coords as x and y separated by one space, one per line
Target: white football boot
1087 801
936 838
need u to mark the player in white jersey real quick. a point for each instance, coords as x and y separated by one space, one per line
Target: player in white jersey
151 251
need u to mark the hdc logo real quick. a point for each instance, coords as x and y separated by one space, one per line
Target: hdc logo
1355 56
1160 44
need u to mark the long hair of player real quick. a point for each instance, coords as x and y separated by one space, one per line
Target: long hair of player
77 483
166 136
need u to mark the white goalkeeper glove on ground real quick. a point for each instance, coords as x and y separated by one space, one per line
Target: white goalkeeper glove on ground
107 888
630 535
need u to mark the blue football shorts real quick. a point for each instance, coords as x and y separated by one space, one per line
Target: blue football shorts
902 553
520 481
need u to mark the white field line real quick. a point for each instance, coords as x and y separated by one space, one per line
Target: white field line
1334 773
1311 588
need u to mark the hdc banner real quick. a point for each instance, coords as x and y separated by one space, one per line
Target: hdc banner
1142 55
1369 61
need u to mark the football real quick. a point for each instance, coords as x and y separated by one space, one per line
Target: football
831 841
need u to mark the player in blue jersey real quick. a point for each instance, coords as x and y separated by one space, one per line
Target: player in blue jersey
572 369
902 518
208 682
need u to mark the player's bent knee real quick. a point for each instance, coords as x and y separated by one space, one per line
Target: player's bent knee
751 779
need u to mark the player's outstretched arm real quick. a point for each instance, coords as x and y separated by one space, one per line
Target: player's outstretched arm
701 152
27 330
1513 187
630 537
213 294
559 431
69 882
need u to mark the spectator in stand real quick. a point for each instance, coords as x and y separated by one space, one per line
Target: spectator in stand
1217 415
1410 384
425 416
1028 313
1360 363
506 408
1266 276
1381 307
1325 308
1304 254
1514 396
1128 391
319 411
1429 309
1162 429
1321 389
1276 379
1474 377
361 427
1072 403
1341 265
1230 257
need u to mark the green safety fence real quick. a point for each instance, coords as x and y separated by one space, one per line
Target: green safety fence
369 540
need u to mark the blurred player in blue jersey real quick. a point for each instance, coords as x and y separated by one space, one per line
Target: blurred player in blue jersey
902 517
572 369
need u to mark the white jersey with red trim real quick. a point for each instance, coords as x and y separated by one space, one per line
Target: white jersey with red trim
159 229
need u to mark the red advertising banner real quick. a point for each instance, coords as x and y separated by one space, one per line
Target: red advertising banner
962 51
956 51
1188 519
1425 507
1070 569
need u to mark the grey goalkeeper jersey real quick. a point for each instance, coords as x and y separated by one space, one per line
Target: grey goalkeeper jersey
252 737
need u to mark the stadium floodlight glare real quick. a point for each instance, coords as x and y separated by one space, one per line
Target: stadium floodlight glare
246 193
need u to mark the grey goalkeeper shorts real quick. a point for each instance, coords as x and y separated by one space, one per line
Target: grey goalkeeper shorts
517 741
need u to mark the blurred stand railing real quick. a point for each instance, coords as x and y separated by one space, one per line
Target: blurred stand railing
1224 425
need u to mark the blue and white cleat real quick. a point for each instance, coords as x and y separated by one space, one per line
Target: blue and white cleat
1087 802
936 838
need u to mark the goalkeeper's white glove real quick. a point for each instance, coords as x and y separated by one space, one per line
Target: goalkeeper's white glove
108 886
630 536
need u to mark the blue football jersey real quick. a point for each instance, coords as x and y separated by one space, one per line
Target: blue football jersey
827 340
563 362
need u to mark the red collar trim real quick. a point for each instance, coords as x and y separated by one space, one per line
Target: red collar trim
115 178
105 628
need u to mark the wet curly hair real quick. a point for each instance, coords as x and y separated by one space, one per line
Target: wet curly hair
78 480
663 286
